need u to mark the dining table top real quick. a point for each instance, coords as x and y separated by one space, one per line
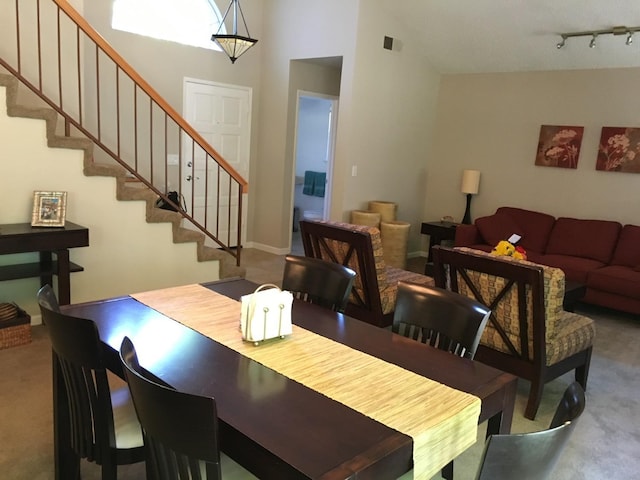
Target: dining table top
273 425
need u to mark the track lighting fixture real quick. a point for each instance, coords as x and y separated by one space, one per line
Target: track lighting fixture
628 31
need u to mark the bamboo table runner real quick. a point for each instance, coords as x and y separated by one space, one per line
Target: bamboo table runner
441 420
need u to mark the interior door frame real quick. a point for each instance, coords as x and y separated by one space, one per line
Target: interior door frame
331 145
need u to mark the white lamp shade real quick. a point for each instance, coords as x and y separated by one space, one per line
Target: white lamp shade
470 181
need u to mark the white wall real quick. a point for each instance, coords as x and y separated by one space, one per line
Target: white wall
387 105
491 122
388 129
165 65
125 253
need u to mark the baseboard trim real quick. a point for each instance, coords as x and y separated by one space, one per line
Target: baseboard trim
267 248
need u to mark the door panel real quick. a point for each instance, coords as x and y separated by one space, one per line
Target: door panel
222 115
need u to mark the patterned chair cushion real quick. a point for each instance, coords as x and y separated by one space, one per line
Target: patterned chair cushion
565 333
394 275
341 250
387 277
574 333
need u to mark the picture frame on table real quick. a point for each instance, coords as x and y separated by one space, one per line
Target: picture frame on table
49 209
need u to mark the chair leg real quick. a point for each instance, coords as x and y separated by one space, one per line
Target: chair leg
535 395
447 471
582 372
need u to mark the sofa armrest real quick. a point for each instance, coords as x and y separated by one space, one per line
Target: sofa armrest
467 235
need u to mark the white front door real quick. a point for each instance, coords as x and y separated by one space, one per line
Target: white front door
222 115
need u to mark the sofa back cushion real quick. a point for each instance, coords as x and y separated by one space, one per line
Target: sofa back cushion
627 252
497 227
535 227
595 239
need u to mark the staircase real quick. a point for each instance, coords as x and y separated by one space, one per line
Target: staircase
126 190
125 129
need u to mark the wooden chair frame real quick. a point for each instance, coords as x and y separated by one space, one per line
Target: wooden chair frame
450 264
318 281
78 352
364 302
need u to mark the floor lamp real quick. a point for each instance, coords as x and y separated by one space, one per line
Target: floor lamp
470 186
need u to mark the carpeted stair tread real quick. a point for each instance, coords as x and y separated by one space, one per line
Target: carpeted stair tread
183 235
126 186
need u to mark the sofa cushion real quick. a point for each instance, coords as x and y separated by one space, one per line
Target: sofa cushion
627 250
574 268
616 279
595 239
535 227
495 228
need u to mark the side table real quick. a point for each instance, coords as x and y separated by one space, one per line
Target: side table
438 232
47 241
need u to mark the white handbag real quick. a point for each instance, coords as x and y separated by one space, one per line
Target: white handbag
266 314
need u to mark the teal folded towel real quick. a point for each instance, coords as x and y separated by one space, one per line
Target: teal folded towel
309 180
319 183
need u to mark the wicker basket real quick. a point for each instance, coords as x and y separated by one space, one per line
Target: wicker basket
15 326
387 210
394 236
364 217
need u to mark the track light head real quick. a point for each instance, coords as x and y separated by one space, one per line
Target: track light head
617 31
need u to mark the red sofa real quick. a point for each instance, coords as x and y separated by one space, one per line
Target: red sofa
602 254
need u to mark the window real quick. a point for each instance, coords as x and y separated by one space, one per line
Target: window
190 22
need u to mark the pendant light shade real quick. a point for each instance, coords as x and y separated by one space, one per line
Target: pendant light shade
235 44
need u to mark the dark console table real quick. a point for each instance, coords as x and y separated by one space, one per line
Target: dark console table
438 232
23 238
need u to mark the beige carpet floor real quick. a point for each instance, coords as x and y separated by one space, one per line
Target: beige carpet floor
605 444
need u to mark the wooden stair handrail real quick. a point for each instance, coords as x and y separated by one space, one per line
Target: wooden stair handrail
130 71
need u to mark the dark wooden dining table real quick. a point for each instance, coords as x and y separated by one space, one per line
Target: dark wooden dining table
275 427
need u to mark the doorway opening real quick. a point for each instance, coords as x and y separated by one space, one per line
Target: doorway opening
316 118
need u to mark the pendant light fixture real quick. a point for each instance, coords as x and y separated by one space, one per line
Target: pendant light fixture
234 45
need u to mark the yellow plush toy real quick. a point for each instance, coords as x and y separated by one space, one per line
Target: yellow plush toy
506 249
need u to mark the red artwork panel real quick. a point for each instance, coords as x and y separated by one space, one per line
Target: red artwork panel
619 150
559 146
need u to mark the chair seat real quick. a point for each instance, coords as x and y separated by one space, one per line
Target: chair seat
125 420
574 333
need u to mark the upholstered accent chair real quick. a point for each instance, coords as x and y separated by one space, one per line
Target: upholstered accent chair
528 334
359 247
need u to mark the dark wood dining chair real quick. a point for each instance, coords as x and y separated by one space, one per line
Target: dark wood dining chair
533 456
317 281
102 421
441 318
180 429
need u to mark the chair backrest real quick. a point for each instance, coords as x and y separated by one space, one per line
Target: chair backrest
180 429
358 247
523 308
77 347
532 456
444 319
317 281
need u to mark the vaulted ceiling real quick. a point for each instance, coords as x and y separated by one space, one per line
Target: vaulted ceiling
472 36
